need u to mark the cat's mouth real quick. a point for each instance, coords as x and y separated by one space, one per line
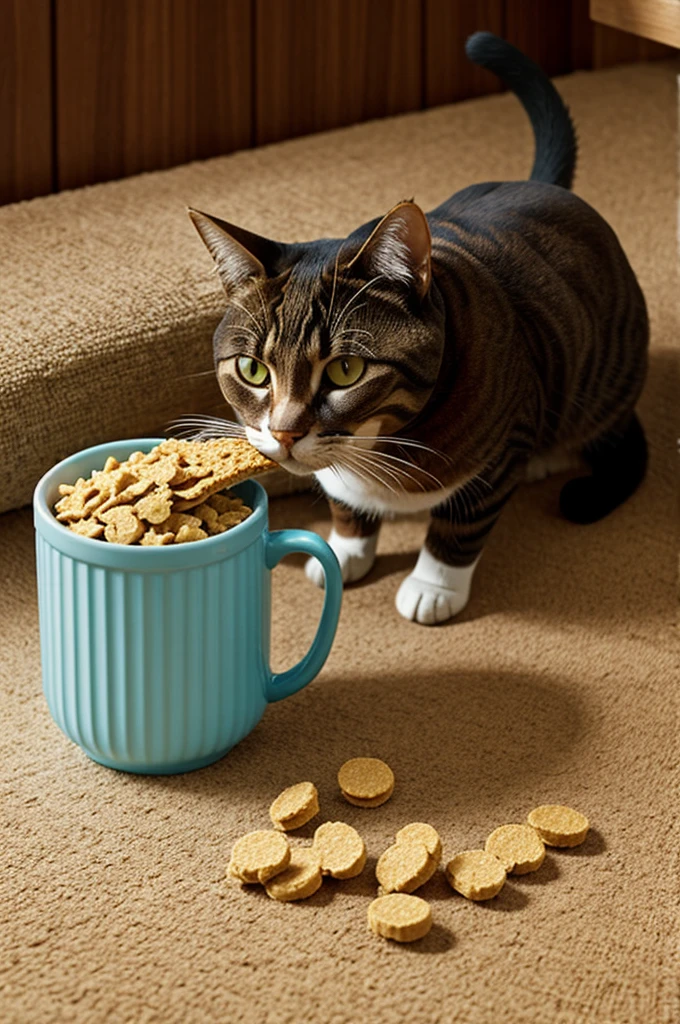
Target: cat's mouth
306 456
295 466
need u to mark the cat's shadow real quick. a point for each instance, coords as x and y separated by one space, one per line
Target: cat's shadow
535 564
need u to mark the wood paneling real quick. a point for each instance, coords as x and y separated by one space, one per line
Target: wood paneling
651 19
449 75
324 64
581 36
144 85
611 46
97 89
542 31
25 99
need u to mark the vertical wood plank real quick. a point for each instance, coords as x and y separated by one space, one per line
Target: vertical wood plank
581 36
25 99
449 75
321 65
611 46
147 85
542 31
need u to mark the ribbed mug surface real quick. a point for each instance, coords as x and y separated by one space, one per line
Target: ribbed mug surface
156 659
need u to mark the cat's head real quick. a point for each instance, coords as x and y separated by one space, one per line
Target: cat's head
328 340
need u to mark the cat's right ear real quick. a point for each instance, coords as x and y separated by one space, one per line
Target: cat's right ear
238 254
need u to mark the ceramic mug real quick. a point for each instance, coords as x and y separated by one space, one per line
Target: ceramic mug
156 659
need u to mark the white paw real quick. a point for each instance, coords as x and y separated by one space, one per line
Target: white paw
434 591
356 556
558 460
426 603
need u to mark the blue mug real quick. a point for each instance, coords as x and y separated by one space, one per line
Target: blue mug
156 659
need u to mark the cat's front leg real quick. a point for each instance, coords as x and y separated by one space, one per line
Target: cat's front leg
439 586
353 538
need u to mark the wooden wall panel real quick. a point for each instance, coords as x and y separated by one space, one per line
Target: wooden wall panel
449 75
97 89
649 19
144 85
611 46
324 64
25 99
581 36
541 30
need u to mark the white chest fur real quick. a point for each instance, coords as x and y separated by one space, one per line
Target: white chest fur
343 485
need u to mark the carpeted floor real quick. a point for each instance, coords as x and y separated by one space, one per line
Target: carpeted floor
558 684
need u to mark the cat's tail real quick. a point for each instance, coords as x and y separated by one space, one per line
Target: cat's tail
556 146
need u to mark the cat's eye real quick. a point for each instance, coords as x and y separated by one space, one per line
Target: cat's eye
252 371
345 371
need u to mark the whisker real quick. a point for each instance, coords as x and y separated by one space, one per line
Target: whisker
335 278
393 472
338 320
359 344
202 428
425 472
394 458
240 327
364 472
204 419
407 442
191 376
265 310
239 305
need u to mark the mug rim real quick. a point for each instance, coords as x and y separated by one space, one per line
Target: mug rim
135 557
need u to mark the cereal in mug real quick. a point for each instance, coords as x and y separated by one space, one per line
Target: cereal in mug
170 495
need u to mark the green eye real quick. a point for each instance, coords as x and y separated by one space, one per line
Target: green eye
345 371
252 371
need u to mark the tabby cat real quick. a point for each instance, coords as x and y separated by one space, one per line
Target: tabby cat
429 361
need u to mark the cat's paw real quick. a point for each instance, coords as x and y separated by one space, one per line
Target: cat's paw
427 603
356 556
434 591
558 460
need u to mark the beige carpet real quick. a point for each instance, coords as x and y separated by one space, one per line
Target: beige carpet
558 684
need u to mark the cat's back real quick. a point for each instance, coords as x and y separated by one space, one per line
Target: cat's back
515 227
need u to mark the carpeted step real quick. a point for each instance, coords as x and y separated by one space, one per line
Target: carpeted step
109 299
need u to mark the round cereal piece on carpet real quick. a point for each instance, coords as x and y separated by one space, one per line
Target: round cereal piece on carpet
295 806
300 879
423 833
519 848
558 825
400 917
258 856
366 781
341 849
476 874
404 867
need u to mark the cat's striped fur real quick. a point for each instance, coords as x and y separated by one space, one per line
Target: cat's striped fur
504 324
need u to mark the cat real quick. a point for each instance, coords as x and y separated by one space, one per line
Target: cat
429 361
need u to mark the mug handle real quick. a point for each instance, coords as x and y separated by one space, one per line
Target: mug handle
277 546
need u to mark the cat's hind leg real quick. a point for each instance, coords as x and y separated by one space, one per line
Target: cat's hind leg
354 539
618 460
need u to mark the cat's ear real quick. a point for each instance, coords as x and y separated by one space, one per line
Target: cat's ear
238 254
399 248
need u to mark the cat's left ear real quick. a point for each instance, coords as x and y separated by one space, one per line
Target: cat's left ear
399 248
239 254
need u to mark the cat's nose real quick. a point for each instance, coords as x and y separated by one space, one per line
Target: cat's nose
287 437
